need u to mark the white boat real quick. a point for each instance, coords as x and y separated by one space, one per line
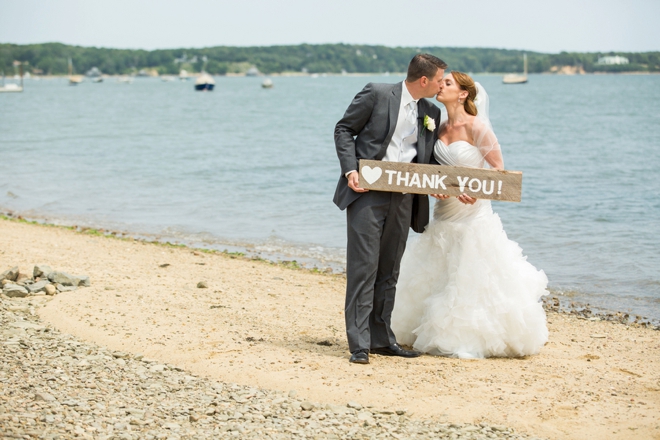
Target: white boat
167 78
12 87
514 78
94 72
267 84
98 79
125 80
252 71
183 75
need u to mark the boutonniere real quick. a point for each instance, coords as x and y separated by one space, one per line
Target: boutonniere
429 123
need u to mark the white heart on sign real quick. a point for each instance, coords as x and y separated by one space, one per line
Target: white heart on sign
371 174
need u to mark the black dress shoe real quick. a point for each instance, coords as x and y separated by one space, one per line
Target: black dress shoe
395 350
359 357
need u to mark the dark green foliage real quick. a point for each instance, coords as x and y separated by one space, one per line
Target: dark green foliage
51 58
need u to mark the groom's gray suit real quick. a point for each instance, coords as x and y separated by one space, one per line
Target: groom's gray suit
378 221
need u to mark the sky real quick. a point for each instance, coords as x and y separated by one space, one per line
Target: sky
549 26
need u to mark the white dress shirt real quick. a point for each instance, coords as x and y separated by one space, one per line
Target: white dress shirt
403 146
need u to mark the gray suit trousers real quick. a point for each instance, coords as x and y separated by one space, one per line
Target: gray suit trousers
378 225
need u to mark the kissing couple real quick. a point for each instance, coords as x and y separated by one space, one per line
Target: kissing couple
462 288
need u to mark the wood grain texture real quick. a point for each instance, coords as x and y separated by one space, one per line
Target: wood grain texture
441 179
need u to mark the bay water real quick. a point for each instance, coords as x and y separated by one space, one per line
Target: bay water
250 169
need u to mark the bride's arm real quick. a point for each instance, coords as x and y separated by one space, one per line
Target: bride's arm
486 141
488 145
495 159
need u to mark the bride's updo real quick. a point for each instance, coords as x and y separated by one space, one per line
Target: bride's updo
466 83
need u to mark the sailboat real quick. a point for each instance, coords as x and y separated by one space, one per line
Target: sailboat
514 78
204 82
74 80
12 87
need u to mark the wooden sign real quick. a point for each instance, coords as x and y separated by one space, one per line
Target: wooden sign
440 179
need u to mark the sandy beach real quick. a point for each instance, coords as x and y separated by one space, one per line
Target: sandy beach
270 326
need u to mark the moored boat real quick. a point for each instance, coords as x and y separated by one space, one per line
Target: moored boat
514 78
204 82
74 80
13 87
267 84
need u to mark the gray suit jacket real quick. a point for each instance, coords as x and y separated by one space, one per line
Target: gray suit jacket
365 132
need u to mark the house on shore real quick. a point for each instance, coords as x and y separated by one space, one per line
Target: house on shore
612 60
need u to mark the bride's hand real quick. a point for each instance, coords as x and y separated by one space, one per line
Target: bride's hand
440 196
464 198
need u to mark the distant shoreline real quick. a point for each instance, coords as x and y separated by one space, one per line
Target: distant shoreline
356 74
54 58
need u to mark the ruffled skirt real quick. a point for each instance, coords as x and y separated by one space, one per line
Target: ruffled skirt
465 290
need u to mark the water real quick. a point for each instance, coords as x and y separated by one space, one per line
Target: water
247 168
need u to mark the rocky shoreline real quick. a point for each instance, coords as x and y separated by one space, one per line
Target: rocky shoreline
57 387
554 302
44 281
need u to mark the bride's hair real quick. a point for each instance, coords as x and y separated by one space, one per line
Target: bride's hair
466 83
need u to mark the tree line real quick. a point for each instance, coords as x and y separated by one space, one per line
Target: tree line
52 59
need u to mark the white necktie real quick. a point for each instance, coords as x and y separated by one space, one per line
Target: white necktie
412 113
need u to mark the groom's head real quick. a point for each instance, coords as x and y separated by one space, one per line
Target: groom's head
425 73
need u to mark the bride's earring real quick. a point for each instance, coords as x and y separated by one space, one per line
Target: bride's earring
459 101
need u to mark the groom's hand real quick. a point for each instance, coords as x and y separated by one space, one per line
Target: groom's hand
354 182
440 196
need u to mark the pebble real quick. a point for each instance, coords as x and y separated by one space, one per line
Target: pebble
54 386
14 290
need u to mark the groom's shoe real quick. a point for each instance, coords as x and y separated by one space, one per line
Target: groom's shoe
359 357
395 350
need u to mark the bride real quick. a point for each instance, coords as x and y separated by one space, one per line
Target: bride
465 290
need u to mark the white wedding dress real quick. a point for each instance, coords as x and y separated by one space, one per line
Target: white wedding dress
465 290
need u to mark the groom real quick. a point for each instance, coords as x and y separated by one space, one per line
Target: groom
384 122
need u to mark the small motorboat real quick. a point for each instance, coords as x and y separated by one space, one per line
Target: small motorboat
267 84
204 82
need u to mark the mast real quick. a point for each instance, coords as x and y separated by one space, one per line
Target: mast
525 61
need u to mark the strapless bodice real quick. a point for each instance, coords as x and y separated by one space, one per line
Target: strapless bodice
458 154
